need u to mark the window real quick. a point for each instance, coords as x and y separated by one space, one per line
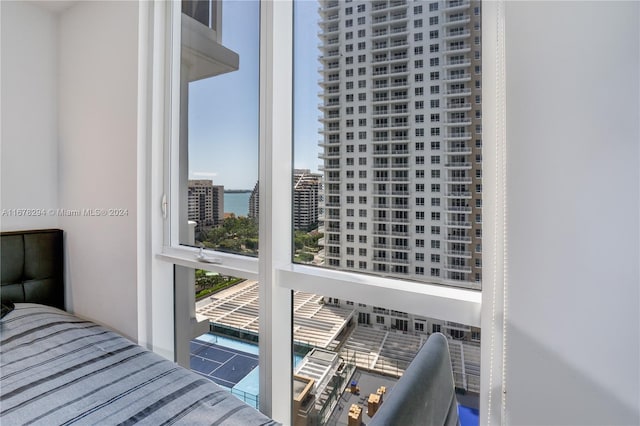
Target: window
433 20
433 7
388 182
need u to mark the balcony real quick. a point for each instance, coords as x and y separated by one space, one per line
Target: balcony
458 92
461 77
379 33
459 268
458 165
400 83
458 63
458 209
458 238
379 19
379 46
400 220
456 106
331 5
457 34
457 194
458 150
400 207
452 5
397 16
328 154
465 121
461 136
457 179
458 253
457 20
397 3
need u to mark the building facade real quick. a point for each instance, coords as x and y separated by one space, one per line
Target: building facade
306 199
254 202
205 202
401 138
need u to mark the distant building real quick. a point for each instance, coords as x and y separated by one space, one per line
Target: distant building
205 202
254 202
307 189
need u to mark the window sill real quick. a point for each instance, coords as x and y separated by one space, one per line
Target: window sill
224 263
429 300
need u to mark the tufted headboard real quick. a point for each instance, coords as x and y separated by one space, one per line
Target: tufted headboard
31 267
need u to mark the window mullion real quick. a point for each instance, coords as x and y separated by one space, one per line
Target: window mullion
275 207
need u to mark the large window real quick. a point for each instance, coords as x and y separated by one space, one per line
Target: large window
219 128
388 99
335 229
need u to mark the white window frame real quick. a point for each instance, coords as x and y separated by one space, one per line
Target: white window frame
277 274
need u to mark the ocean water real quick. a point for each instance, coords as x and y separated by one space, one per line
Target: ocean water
237 203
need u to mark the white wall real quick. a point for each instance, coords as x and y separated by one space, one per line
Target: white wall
98 159
28 150
573 186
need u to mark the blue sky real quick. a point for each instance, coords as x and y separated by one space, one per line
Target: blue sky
223 110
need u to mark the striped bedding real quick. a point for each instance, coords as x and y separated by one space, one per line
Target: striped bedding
58 369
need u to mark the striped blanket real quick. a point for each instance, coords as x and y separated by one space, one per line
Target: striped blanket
57 369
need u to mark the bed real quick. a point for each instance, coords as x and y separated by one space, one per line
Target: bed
56 368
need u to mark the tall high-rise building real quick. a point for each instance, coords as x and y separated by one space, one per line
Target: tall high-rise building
254 202
306 192
307 188
205 202
402 145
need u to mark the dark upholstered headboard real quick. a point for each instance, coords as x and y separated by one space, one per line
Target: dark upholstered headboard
31 267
